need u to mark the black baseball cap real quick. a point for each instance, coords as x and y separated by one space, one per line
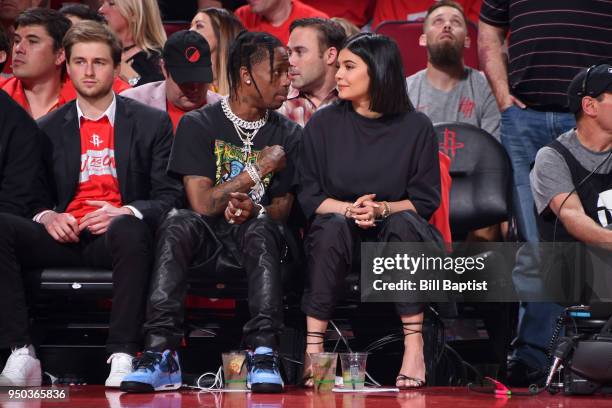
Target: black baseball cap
589 82
187 57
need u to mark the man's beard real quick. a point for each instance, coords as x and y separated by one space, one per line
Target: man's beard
94 93
446 54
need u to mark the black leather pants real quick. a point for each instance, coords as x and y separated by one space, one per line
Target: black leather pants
186 240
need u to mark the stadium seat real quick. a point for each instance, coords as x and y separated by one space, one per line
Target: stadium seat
173 26
414 57
481 174
223 280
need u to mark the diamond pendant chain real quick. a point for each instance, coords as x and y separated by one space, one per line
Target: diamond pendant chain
241 124
247 141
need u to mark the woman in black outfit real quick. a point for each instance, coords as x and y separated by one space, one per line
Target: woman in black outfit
138 25
370 157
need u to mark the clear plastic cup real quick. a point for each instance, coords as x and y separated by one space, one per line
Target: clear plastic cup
234 370
324 370
353 369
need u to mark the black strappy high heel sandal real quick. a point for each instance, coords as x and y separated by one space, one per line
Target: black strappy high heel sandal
418 382
307 380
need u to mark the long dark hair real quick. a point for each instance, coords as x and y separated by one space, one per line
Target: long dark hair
226 27
387 90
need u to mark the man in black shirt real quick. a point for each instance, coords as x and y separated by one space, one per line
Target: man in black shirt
236 161
549 43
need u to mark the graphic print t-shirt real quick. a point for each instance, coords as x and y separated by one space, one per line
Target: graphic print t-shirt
206 144
98 175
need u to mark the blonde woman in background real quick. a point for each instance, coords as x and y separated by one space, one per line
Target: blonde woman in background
349 28
220 27
138 25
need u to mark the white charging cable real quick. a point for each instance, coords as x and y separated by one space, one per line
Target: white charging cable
216 386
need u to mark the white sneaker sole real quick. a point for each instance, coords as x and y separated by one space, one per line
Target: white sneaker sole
169 387
31 382
112 383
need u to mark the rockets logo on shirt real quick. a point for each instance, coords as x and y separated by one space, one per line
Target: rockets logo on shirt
466 106
95 140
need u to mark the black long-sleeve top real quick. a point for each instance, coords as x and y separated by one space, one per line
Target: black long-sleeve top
345 155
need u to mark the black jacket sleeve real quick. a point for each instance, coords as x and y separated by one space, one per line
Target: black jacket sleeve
166 192
20 159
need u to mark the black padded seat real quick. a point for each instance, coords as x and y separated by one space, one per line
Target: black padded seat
481 177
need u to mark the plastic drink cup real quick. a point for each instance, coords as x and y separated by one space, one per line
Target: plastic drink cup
353 369
324 370
234 370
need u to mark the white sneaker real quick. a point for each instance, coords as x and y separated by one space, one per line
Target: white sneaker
121 365
21 370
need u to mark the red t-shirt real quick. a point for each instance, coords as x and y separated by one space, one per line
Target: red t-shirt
14 88
415 10
254 22
358 12
98 175
175 114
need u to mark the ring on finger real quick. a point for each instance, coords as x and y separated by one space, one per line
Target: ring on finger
231 221
238 212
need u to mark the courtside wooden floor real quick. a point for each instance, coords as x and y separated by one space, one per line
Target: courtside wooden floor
439 397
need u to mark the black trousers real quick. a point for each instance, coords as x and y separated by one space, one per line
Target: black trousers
332 246
185 239
126 247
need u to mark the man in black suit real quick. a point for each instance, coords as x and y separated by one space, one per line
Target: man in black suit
20 157
108 189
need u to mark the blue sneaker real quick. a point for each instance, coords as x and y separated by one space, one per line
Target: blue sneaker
153 372
263 375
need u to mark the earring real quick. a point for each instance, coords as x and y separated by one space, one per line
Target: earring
248 81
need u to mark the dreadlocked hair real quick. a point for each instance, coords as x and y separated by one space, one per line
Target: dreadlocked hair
248 49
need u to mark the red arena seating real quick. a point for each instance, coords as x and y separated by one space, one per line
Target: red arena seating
172 27
414 57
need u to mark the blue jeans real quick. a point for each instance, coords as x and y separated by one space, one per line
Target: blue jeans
523 133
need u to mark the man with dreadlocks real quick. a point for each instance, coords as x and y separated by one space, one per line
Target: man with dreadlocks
236 161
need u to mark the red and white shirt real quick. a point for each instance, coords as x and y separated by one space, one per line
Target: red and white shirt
98 172
299 107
